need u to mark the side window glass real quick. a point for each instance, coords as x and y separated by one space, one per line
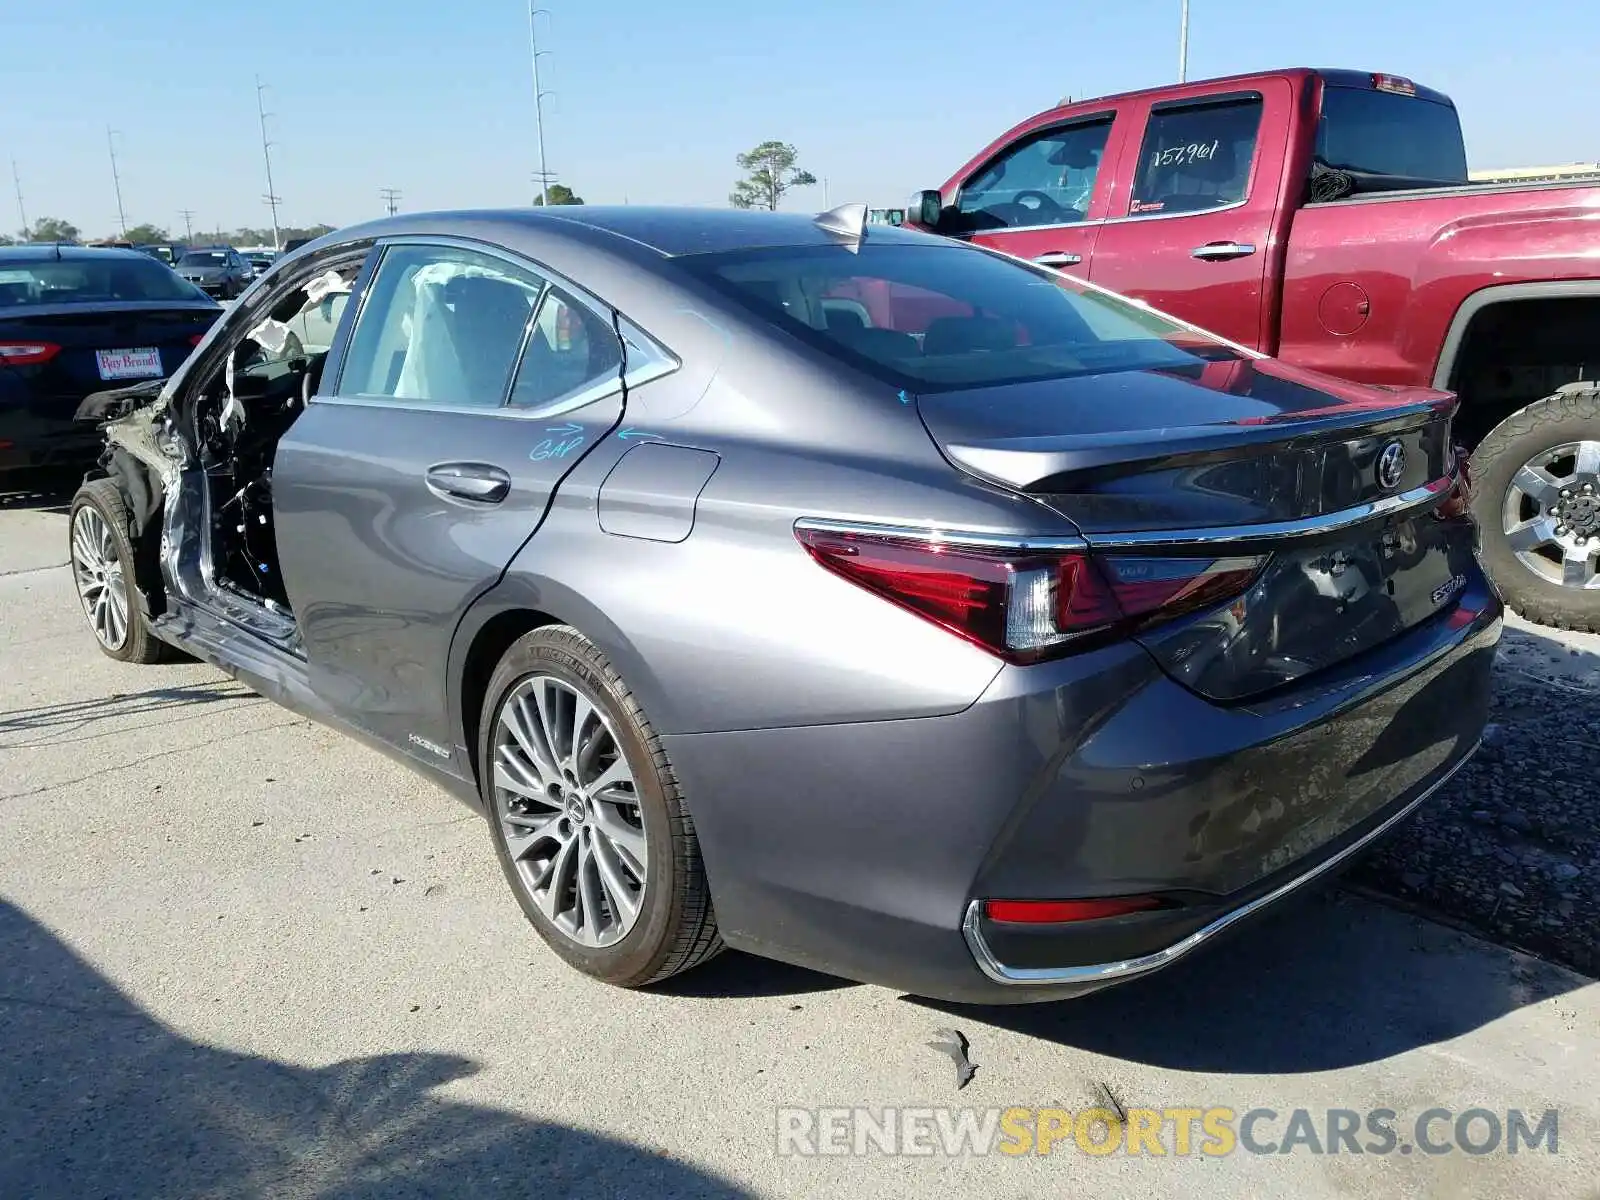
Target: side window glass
1196 157
569 349
1046 180
440 326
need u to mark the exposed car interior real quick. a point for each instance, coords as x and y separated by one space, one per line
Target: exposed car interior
241 415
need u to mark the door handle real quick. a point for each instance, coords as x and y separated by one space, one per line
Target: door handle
479 483
1057 258
1220 251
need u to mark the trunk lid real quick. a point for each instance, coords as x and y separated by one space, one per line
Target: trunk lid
169 329
1331 489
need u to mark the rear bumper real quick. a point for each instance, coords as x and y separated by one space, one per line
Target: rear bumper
30 441
860 849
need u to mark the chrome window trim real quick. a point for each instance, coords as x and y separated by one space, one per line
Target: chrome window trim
657 360
1109 972
973 539
1123 220
1274 531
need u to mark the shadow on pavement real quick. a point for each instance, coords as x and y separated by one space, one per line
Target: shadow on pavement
99 1099
65 722
1327 982
736 975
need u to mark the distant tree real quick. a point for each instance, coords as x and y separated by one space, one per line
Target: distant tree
772 172
52 229
560 193
142 234
6 240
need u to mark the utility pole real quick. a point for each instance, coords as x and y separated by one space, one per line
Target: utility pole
538 99
825 205
391 198
272 198
21 211
116 180
1183 44
188 223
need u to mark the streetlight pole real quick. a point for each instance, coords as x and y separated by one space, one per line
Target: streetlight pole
1183 44
22 212
538 99
116 180
271 197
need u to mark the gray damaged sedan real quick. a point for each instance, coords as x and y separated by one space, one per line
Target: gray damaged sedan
830 591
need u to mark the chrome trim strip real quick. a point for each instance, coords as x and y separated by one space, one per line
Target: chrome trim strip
1274 531
1132 967
950 537
1096 222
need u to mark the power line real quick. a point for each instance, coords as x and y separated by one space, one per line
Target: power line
272 198
391 199
188 223
543 174
21 211
116 179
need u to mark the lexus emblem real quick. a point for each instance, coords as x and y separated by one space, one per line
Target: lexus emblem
1391 466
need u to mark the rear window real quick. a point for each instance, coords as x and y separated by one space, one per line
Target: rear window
1382 133
204 258
83 281
944 317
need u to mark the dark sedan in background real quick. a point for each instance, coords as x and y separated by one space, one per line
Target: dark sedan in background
823 589
76 320
219 271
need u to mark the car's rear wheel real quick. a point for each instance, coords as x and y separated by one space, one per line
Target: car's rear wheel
586 815
1537 500
103 572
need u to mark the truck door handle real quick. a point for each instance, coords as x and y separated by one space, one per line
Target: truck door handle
1220 251
1058 258
479 483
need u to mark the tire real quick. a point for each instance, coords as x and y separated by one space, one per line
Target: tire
1548 577
100 553
673 927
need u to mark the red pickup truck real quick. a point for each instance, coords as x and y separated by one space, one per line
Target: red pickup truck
1326 218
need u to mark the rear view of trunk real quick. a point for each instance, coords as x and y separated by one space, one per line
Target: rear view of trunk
1248 551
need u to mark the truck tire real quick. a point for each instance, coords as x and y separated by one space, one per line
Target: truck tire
1536 495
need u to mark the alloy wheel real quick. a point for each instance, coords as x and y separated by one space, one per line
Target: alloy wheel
1551 514
97 571
568 807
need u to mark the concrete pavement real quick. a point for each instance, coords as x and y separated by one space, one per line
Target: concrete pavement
241 955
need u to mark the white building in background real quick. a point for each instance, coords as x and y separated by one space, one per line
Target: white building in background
1554 174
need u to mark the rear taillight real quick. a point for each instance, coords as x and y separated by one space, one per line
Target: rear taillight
24 354
196 339
1025 604
1458 501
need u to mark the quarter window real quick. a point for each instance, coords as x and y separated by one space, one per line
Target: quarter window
569 350
440 326
1197 157
1047 180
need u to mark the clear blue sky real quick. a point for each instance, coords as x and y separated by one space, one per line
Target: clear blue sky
656 97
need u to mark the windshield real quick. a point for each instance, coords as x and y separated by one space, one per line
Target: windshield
90 281
204 258
1382 133
942 317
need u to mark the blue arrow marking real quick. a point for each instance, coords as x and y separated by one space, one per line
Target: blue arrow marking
564 429
904 399
625 434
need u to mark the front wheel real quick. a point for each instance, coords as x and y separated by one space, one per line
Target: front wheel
1537 500
586 815
102 562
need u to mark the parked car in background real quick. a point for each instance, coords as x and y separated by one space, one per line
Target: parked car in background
218 271
1326 217
828 590
73 321
260 260
167 252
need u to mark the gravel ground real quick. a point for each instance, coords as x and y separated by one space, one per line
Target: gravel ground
1511 848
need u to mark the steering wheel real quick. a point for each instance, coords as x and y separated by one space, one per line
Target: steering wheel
1042 204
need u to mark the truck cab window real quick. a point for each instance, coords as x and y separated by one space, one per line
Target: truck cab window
1196 157
1047 179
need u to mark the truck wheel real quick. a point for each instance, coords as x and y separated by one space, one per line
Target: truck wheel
1537 500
